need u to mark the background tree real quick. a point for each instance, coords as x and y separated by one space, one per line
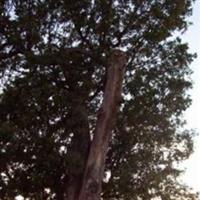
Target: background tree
53 63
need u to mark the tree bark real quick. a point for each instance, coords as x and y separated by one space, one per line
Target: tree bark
80 150
94 170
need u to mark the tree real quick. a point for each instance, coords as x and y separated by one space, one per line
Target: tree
54 71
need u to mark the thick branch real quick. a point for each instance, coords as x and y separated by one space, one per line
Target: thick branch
91 185
47 58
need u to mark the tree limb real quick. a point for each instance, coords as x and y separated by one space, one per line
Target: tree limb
92 181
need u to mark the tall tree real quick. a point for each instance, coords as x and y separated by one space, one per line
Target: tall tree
57 60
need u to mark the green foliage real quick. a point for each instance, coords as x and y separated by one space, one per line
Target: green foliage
53 59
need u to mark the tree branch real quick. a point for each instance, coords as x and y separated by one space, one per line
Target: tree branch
91 186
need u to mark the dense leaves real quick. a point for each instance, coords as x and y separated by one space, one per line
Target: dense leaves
53 59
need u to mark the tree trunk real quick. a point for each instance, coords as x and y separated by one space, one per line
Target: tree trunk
79 150
73 189
94 170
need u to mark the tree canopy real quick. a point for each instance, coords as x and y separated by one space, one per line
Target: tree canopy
53 64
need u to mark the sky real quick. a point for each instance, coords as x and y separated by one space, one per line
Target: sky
192 115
